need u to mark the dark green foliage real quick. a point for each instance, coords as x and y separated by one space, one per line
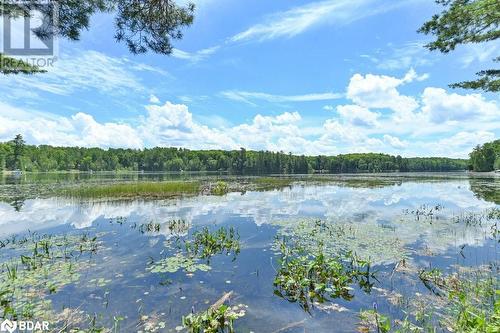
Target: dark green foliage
464 22
48 158
206 244
306 277
220 188
142 25
215 320
149 25
485 157
18 144
489 81
12 154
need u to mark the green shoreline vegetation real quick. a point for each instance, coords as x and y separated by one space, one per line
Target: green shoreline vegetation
16 155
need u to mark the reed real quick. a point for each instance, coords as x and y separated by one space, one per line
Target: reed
272 182
133 190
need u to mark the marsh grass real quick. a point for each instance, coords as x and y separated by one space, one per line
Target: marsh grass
134 190
425 212
272 182
150 227
178 227
465 300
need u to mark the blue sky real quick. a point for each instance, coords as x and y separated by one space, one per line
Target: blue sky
309 77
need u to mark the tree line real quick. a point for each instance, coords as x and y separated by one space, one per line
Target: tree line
485 157
16 155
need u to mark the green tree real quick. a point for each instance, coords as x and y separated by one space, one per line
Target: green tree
465 22
18 151
143 25
485 157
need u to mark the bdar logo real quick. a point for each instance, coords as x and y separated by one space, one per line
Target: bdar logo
8 326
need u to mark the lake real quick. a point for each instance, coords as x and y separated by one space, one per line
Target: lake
127 265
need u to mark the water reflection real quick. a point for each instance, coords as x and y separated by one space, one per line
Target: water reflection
377 208
137 237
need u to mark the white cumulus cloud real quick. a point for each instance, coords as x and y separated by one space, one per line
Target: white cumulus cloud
441 106
358 115
380 91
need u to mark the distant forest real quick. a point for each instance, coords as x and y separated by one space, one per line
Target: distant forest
486 157
16 154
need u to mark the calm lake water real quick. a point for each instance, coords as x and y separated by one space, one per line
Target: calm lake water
115 284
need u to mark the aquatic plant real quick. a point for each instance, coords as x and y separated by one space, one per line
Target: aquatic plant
465 301
218 318
425 212
368 241
220 188
306 277
118 220
493 214
470 218
202 246
133 190
266 183
205 244
178 227
176 262
433 280
373 319
45 265
150 227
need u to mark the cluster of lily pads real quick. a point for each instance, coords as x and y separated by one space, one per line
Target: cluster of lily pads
368 241
194 254
40 265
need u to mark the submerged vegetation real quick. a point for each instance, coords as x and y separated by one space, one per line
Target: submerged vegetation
370 242
44 265
202 245
179 261
462 301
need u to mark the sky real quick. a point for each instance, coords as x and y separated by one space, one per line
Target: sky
308 77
